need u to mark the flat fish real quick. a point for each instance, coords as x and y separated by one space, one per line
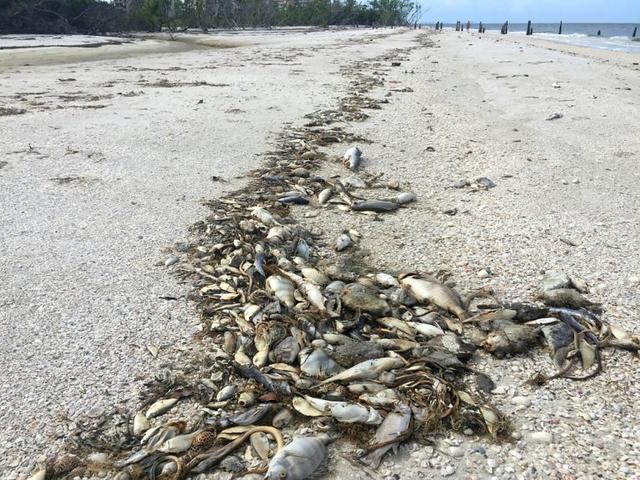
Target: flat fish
298 460
378 206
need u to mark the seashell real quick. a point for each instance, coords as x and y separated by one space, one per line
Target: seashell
282 288
405 197
260 443
140 424
203 439
226 393
247 399
123 475
160 407
40 474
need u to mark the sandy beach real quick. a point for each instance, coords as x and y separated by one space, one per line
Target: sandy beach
104 165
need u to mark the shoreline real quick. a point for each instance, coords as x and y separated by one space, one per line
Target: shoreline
389 130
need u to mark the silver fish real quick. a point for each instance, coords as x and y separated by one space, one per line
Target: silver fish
367 370
352 158
395 428
379 206
298 460
343 242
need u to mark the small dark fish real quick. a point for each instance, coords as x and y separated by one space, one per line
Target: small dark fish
379 206
294 199
248 417
259 262
249 371
566 297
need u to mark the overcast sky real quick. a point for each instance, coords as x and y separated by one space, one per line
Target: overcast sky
490 11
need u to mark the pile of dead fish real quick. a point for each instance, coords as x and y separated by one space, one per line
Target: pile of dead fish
299 332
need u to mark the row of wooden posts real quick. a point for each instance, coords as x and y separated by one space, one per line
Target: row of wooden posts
505 28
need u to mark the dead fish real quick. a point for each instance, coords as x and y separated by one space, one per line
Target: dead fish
386 281
378 206
226 393
178 444
318 364
311 291
302 249
282 419
346 412
315 276
264 216
510 338
566 297
296 199
286 351
324 196
343 242
440 295
555 116
395 428
171 261
358 297
351 353
352 158
259 263
282 288
426 329
140 424
367 370
405 197
161 406
299 459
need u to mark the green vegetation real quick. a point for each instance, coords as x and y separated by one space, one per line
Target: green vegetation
96 16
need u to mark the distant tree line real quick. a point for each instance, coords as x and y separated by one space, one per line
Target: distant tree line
98 16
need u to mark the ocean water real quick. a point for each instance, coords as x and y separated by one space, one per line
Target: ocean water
613 36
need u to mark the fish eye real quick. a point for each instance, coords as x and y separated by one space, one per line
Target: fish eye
283 474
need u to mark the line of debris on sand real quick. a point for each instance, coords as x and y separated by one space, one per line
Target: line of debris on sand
305 344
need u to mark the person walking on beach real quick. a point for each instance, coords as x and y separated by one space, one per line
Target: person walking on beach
468 25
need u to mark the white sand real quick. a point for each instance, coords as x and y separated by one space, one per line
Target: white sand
80 289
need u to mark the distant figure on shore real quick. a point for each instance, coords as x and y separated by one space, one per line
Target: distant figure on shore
598 32
468 25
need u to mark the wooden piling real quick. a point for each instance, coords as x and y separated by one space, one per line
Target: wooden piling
480 28
529 27
560 29
635 30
